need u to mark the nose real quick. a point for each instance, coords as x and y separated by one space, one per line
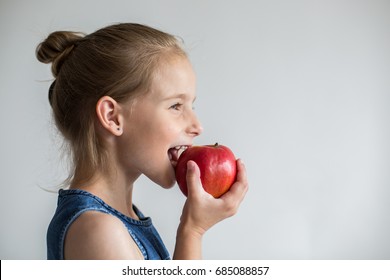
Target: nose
195 128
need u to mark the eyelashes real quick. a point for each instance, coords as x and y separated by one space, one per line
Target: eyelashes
176 106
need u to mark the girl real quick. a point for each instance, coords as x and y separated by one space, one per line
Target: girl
122 98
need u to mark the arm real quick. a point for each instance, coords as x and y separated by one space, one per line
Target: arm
95 235
201 211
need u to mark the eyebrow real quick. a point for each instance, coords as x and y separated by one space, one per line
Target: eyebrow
179 95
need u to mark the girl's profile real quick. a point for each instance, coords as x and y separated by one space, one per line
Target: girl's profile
122 97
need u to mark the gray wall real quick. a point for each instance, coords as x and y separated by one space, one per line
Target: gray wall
299 89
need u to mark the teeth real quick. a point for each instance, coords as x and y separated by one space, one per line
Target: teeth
181 150
175 153
181 147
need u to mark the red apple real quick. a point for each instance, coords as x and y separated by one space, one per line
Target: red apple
217 165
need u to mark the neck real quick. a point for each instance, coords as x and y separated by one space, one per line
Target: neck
114 188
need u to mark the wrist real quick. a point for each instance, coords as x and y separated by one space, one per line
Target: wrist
188 243
187 230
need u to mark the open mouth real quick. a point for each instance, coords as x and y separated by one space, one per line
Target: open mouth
174 154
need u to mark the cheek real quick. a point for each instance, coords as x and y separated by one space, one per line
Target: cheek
172 129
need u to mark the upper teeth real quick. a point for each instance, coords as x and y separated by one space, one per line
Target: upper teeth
178 151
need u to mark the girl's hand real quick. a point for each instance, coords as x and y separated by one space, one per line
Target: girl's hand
202 211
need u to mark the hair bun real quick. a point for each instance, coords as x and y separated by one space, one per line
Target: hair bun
56 48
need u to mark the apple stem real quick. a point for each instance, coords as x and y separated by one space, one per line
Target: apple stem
216 144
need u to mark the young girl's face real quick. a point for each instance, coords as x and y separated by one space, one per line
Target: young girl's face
160 122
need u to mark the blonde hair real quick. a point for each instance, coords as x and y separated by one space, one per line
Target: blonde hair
116 61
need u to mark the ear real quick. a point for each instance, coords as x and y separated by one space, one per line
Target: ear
109 115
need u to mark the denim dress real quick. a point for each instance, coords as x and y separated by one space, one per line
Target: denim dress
72 203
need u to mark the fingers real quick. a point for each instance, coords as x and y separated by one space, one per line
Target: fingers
241 173
201 210
194 184
237 192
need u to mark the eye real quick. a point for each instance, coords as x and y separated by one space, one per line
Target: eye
176 106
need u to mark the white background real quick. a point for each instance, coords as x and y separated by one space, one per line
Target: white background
299 89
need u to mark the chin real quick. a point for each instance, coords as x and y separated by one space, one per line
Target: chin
167 182
165 178
168 185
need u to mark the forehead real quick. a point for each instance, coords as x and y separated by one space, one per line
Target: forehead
173 76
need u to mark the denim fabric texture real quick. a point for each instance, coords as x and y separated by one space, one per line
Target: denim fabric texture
72 203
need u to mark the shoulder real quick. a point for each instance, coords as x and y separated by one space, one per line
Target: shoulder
97 235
